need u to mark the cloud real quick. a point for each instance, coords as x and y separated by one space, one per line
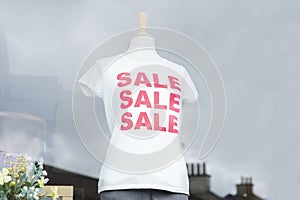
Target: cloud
254 43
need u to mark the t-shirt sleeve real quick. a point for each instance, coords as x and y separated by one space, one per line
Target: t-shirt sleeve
190 93
90 82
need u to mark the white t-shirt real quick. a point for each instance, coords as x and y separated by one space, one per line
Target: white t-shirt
143 103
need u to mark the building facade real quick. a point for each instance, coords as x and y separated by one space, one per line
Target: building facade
200 186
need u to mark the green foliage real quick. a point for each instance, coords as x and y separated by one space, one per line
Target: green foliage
22 179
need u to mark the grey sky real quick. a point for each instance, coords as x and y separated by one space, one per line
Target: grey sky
256 45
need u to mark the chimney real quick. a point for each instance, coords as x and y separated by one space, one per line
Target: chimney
245 188
199 182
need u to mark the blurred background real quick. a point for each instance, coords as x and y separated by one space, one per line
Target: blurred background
255 44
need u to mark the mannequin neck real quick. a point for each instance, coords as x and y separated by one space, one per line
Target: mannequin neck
144 43
141 41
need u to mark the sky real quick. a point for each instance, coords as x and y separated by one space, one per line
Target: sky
255 45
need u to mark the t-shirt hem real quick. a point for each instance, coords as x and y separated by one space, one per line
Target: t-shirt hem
144 186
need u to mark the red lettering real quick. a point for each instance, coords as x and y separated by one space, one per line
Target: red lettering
142 79
142 99
173 122
124 76
143 117
143 121
125 96
156 102
156 123
142 95
174 83
174 100
156 82
126 120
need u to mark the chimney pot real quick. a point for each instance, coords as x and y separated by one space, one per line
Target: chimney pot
198 169
193 169
204 169
201 182
245 187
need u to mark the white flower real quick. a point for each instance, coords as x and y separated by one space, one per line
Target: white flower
5 171
40 165
4 177
46 180
35 196
44 173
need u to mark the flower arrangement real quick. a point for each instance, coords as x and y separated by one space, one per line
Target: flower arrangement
22 179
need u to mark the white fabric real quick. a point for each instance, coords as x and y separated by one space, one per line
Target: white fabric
101 80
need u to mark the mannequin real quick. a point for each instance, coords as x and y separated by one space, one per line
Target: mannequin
143 41
170 88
